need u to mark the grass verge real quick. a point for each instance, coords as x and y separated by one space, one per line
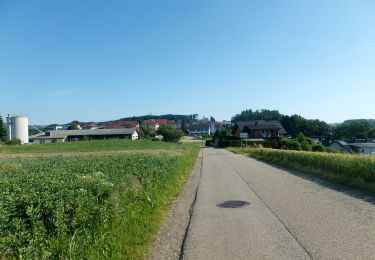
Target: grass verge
355 171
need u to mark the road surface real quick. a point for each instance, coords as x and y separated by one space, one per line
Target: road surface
289 217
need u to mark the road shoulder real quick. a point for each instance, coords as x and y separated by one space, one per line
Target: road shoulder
170 238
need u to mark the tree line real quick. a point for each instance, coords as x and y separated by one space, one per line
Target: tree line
296 124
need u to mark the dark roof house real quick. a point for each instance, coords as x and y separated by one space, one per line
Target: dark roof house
260 129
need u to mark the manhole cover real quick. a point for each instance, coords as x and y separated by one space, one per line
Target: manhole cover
233 204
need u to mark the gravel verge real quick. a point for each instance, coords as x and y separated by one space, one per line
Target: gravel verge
170 238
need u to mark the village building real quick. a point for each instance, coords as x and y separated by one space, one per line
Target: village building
259 129
122 124
203 127
354 147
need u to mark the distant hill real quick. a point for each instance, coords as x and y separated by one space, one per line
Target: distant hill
371 121
187 118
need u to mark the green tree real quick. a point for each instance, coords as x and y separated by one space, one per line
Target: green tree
144 133
3 133
169 133
222 133
184 127
73 126
355 129
263 114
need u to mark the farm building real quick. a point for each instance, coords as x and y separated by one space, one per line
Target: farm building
59 136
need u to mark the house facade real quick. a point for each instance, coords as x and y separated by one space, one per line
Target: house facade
203 127
367 148
267 130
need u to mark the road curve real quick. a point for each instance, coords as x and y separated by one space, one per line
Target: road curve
289 217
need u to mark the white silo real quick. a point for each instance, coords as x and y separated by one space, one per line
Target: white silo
18 128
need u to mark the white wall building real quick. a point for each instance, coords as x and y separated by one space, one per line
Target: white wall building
59 136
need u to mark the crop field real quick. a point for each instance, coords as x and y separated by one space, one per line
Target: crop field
357 171
88 206
89 146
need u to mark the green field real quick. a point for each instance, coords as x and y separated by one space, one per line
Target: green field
88 206
89 146
357 171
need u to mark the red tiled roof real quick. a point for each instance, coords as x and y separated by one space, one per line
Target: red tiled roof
122 124
157 121
89 126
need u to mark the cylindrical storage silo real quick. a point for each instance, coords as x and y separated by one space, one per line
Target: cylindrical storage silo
21 129
18 128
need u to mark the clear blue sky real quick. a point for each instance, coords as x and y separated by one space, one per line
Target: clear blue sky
102 60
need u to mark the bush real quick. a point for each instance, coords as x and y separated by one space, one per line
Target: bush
169 133
13 142
318 147
290 144
353 170
208 142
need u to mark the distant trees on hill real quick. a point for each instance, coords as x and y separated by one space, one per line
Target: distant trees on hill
294 124
348 122
356 129
186 118
263 114
297 124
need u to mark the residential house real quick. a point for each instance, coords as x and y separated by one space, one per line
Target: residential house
354 147
122 124
55 127
202 127
90 126
154 124
259 129
226 123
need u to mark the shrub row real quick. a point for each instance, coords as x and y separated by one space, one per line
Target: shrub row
353 170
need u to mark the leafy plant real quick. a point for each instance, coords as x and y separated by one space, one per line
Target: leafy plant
169 133
87 207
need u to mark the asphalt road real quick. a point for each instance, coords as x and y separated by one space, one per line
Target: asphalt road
289 217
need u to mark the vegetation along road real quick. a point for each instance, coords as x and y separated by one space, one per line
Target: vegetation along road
289 216
89 199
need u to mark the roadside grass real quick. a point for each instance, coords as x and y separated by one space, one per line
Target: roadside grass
355 171
91 146
89 207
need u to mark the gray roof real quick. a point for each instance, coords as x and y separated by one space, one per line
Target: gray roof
85 132
262 125
200 126
363 145
343 143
